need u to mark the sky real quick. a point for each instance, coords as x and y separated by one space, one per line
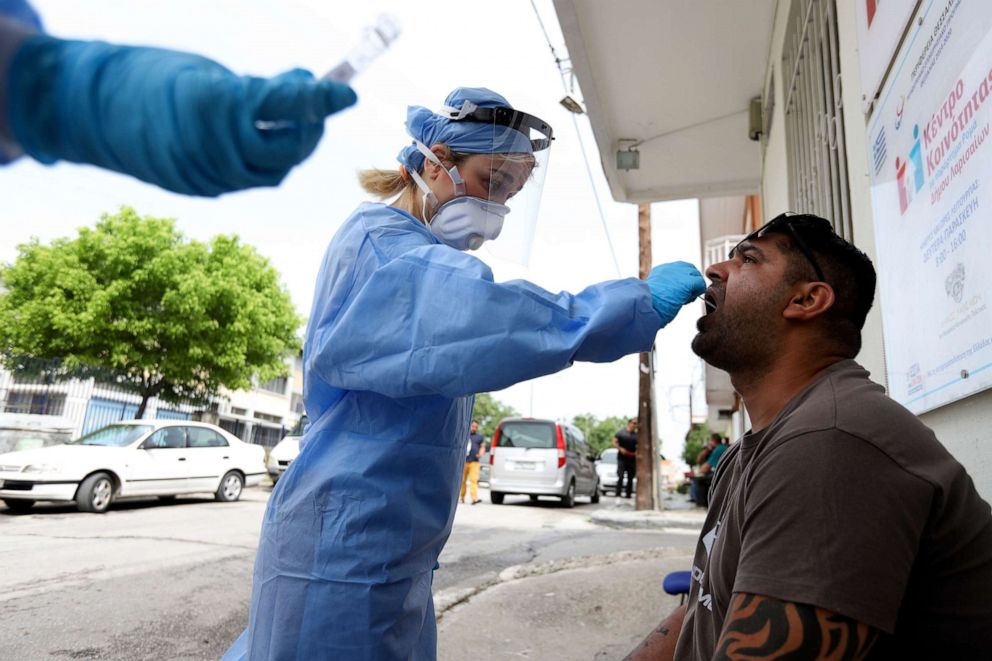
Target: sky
445 44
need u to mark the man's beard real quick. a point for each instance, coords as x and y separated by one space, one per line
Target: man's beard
738 341
715 347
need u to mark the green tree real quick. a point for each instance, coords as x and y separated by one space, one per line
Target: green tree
598 432
695 439
165 316
489 411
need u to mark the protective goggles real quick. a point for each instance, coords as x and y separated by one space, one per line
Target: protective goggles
793 225
538 131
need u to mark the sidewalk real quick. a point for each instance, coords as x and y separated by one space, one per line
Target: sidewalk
595 612
585 607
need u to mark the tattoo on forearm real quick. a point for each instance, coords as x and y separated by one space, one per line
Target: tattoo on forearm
660 631
654 638
760 627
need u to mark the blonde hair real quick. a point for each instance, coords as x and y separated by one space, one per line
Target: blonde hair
387 184
384 184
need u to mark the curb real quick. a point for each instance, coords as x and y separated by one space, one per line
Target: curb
646 520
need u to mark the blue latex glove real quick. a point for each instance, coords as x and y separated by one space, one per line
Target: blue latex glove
173 119
672 286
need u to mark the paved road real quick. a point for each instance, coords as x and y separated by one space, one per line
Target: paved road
152 580
147 580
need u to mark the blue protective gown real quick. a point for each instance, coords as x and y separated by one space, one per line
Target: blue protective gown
18 20
404 330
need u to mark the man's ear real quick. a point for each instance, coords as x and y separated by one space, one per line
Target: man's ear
809 300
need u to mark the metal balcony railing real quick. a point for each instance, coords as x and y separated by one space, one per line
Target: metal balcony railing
718 249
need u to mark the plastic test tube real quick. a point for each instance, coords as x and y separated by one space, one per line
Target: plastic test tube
376 40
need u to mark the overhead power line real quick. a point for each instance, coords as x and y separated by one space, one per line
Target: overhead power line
582 146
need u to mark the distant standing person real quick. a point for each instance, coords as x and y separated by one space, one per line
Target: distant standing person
625 441
476 446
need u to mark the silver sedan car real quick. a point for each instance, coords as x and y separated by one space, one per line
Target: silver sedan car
606 468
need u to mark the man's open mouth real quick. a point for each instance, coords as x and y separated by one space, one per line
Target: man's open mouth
710 301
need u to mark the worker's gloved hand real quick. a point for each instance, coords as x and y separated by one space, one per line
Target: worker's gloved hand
173 119
672 286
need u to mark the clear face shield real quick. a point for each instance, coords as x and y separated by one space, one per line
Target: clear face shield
506 183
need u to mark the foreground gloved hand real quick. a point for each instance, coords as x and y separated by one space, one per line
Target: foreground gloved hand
672 286
173 119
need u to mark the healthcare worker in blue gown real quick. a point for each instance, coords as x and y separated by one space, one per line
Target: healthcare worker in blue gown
406 327
176 120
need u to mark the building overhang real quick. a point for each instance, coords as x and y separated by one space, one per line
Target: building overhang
678 77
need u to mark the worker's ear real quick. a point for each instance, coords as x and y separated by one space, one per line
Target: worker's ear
431 169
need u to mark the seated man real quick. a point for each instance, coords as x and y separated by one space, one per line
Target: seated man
839 527
707 460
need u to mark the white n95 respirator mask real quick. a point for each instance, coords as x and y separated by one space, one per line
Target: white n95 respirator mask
465 223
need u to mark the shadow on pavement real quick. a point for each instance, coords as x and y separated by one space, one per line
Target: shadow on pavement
116 506
543 502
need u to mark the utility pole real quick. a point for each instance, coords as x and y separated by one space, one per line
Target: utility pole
690 405
645 422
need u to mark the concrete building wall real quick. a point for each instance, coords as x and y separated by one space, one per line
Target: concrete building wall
250 408
720 216
856 136
774 158
261 401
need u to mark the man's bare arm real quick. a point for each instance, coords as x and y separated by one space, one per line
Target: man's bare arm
660 643
759 627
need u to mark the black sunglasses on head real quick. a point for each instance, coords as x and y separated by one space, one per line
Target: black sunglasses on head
788 223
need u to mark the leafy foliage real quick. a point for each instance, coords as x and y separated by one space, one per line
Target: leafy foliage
168 317
694 442
489 411
598 432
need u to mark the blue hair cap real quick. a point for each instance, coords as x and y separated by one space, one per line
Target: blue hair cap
465 136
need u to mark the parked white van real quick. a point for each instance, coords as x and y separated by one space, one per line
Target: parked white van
541 458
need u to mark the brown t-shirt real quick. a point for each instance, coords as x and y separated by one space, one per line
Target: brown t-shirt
848 502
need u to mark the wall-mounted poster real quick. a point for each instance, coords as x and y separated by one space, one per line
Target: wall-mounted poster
930 158
880 25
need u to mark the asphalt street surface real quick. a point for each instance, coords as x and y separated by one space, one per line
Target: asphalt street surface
171 580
